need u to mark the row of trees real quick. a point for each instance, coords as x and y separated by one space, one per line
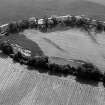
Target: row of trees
85 70
81 22
71 21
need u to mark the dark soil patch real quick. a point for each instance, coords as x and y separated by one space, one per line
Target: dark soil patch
26 43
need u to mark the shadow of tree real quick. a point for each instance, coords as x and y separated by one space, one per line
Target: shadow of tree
87 81
58 28
39 69
2 55
103 84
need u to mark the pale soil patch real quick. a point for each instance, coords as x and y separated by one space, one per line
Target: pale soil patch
71 44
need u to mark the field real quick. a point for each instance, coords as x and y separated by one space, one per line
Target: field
22 86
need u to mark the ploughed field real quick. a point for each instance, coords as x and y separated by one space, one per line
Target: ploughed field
22 86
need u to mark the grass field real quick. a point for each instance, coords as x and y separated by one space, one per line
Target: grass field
21 86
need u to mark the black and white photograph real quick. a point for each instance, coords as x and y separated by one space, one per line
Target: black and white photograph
52 52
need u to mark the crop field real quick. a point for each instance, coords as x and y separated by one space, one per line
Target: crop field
20 85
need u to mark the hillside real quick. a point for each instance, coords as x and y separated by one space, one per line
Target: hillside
19 9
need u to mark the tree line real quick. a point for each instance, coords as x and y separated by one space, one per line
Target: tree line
85 70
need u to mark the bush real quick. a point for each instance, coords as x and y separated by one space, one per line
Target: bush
73 22
38 61
66 70
103 78
88 71
19 26
6 48
17 57
41 61
13 27
24 24
99 27
54 19
67 22
32 22
55 69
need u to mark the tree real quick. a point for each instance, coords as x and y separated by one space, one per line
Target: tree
13 27
50 23
54 19
24 24
99 27
73 21
66 70
38 61
41 61
54 69
90 72
17 56
104 78
31 61
67 21
6 48
19 26
32 22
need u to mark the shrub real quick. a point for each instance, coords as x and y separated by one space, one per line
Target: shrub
32 22
89 71
6 48
24 24
99 27
103 78
19 26
55 69
17 57
66 70
13 27
41 61
54 19
73 21
38 61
